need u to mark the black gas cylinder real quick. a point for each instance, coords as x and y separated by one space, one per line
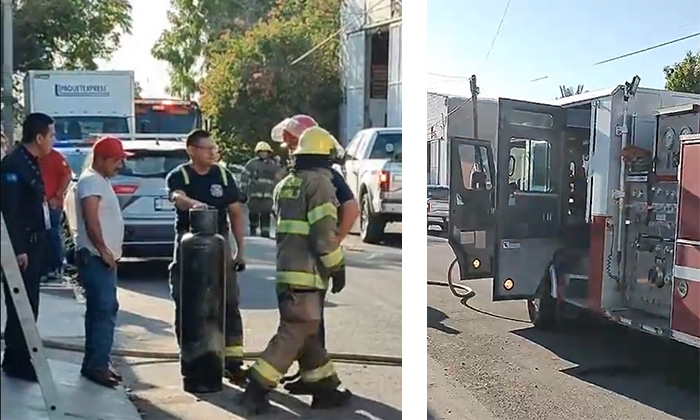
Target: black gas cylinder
202 305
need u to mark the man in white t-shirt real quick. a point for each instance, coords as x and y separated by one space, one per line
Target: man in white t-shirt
99 247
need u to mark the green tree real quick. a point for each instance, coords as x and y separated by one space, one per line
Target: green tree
196 25
67 34
138 90
684 76
250 85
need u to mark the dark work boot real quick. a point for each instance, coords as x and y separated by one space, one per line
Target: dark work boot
235 372
265 232
331 399
254 400
253 230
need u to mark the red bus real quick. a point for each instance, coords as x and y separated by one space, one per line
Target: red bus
167 116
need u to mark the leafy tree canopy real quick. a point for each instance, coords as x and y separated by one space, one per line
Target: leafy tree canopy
684 76
250 85
67 34
195 25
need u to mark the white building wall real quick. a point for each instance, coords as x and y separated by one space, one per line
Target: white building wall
352 63
356 110
437 146
394 85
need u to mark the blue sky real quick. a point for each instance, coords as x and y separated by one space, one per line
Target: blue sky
556 38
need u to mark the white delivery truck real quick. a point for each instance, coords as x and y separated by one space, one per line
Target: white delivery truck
82 102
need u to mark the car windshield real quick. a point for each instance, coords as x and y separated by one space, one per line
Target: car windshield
76 160
438 193
387 146
153 122
74 128
153 164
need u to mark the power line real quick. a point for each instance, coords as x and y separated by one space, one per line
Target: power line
336 33
619 57
537 79
450 113
498 31
663 44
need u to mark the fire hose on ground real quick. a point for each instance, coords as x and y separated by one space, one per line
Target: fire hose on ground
465 293
172 356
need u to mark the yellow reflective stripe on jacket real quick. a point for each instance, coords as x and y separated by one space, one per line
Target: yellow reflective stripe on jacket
333 258
234 351
185 176
222 170
301 279
266 371
319 373
293 227
324 210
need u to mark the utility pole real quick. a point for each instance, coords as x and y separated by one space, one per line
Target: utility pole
475 93
8 122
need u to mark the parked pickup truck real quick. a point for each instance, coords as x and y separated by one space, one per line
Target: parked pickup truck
438 206
372 169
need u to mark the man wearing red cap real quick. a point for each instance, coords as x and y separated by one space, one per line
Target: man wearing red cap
99 247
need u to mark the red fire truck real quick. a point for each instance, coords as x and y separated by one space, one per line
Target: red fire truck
595 206
167 116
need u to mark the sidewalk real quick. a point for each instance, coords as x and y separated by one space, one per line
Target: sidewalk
61 318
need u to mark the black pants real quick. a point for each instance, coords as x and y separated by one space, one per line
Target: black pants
16 351
259 219
322 325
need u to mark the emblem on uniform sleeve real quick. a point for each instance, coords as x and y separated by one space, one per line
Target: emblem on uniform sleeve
216 190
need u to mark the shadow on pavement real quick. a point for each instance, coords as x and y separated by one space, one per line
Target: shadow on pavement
435 321
152 326
286 406
630 363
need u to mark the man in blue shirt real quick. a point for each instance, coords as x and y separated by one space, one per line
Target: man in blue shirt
27 219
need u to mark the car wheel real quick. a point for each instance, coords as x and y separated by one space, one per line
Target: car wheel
543 310
371 225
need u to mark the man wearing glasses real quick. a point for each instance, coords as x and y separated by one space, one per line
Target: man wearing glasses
203 183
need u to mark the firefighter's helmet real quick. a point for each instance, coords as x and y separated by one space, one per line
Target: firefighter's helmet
316 141
294 126
263 147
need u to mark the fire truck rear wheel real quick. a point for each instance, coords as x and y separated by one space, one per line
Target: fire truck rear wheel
542 310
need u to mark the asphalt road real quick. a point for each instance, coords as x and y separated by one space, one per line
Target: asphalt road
364 318
482 367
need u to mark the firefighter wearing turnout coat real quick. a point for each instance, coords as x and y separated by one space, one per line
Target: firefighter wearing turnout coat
309 257
260 176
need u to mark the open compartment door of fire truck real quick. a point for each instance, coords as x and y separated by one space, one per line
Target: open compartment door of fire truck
530 195
471 223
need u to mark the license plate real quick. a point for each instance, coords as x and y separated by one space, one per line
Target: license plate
163 204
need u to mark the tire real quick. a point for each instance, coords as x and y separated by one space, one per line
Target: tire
371 225
543 310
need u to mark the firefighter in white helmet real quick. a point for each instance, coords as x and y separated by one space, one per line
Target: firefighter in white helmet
259 177
309 257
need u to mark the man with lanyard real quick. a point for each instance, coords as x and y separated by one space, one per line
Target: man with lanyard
26 214
200 183
288 132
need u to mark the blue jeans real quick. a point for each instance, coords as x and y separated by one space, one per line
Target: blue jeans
55 260
101 305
